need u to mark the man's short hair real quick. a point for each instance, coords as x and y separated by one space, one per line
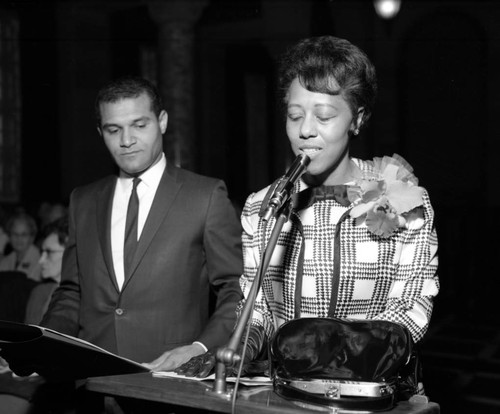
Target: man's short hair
127 87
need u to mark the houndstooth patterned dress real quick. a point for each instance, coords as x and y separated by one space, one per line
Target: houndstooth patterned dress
326 264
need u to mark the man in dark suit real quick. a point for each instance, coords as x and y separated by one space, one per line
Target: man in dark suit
155 308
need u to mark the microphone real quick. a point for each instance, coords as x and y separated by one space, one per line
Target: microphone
227 356
283 189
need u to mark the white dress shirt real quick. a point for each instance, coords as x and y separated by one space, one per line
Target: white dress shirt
146 191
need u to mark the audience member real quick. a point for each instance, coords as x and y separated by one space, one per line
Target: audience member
54 240
22 231
31 394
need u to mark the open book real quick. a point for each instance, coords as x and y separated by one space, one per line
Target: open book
32 348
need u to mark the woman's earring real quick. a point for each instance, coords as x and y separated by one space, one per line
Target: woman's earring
356 131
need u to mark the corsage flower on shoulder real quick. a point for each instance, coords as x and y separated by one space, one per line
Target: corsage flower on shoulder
385 197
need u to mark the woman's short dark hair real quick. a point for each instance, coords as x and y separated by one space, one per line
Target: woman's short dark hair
127 87
317 61
60 228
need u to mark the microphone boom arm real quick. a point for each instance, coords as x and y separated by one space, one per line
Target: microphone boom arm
227 356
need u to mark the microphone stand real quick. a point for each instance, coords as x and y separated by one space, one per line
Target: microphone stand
227 356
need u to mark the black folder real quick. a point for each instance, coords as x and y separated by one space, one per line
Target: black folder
32 348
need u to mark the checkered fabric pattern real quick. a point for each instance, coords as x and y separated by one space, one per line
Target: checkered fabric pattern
392 279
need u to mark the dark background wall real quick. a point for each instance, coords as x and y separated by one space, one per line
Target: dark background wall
438 105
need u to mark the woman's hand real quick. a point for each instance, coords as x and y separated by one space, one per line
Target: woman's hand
200 366
174 358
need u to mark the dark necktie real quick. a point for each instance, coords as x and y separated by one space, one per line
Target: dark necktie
131 228
307 197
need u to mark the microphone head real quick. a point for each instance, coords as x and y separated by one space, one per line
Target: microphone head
298 167
304 159
282 190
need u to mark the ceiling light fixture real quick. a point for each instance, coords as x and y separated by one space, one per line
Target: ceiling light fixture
387 9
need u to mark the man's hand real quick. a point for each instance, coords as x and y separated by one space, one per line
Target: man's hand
174 358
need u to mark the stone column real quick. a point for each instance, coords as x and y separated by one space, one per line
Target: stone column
176 21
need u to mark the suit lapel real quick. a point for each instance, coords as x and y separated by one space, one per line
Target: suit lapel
164 198
104 206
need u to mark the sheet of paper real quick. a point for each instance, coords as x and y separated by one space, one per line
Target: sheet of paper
248 381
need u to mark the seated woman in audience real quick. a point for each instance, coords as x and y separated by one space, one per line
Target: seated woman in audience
24 257
54 239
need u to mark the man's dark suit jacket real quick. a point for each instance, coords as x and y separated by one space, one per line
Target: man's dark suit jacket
190 242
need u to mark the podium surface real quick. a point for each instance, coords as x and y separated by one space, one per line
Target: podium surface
196 395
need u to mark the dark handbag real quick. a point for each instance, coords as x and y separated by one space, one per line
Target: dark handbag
350 364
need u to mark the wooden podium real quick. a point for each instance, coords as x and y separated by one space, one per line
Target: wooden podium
159 393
